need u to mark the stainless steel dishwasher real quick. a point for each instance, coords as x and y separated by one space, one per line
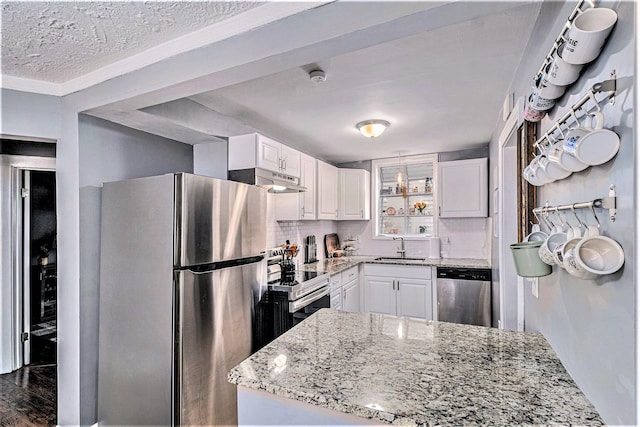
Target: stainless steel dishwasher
464 295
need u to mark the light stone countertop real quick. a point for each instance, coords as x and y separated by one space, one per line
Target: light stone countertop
418 372
334 266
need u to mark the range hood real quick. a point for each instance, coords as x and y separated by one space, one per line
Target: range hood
274 182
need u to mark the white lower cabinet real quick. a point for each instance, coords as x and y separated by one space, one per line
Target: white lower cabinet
398 290
379 294
336 291
335 300
345 290
351 296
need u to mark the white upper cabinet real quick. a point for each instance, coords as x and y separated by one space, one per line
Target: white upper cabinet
308 178
290 159
255 150
327 185
354 194
297 206
463 188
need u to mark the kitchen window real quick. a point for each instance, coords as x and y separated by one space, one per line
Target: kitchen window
404 196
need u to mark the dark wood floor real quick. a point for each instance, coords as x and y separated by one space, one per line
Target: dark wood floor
28 397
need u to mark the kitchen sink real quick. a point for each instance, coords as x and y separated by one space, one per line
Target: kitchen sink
398 258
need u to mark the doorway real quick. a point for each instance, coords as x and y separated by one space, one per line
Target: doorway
37 216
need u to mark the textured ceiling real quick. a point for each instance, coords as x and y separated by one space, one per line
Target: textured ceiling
59 41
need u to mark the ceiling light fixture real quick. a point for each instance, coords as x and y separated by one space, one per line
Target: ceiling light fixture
372 128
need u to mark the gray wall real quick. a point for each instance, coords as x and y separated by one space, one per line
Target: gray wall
109 152
591 324
29 115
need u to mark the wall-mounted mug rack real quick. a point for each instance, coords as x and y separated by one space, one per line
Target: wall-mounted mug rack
580 7
605 86
608 202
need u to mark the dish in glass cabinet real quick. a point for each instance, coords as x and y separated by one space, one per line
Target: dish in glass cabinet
391 211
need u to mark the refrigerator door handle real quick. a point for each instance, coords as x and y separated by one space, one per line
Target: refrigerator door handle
219 265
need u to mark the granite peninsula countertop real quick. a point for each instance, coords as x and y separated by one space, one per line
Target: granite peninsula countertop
416 372
334 266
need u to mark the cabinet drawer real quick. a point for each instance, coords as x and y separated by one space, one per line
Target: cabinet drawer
336 281
409 271
349 274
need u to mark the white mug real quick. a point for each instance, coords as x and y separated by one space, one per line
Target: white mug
592 145
548 90
567 247
553 241
553 169
531 114
559 72
599 255
587 35
573 235
537 176
534 177
536 234
566 160
540 103
570 260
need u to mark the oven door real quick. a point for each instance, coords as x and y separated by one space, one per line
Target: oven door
307 305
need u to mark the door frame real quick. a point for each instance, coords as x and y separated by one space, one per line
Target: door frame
512 126
12 324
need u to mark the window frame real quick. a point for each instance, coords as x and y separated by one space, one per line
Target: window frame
376 208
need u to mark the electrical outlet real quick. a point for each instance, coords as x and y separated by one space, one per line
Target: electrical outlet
534 287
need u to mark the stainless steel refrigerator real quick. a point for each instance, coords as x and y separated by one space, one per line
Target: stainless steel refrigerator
182 269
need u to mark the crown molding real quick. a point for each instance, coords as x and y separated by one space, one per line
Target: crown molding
253 18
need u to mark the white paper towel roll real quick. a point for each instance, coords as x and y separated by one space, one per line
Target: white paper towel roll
434 248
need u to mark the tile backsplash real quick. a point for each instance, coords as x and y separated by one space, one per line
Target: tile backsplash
465 237
295 231
460 237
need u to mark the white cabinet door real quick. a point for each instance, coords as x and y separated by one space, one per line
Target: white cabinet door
354 194
414 298
327 185
351 296
290 160
463 188
379 295
269 154
398 290
308 179
298 206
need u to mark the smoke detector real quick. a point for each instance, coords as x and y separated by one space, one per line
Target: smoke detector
318 76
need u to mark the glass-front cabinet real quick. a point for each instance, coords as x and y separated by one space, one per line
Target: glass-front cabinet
404 190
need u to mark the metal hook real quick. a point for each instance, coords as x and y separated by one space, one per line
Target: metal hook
575 117
547 219
537 217
560 130
593 211
592 96
573 209
563 223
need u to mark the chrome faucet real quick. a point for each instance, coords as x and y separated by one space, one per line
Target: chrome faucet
402 252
